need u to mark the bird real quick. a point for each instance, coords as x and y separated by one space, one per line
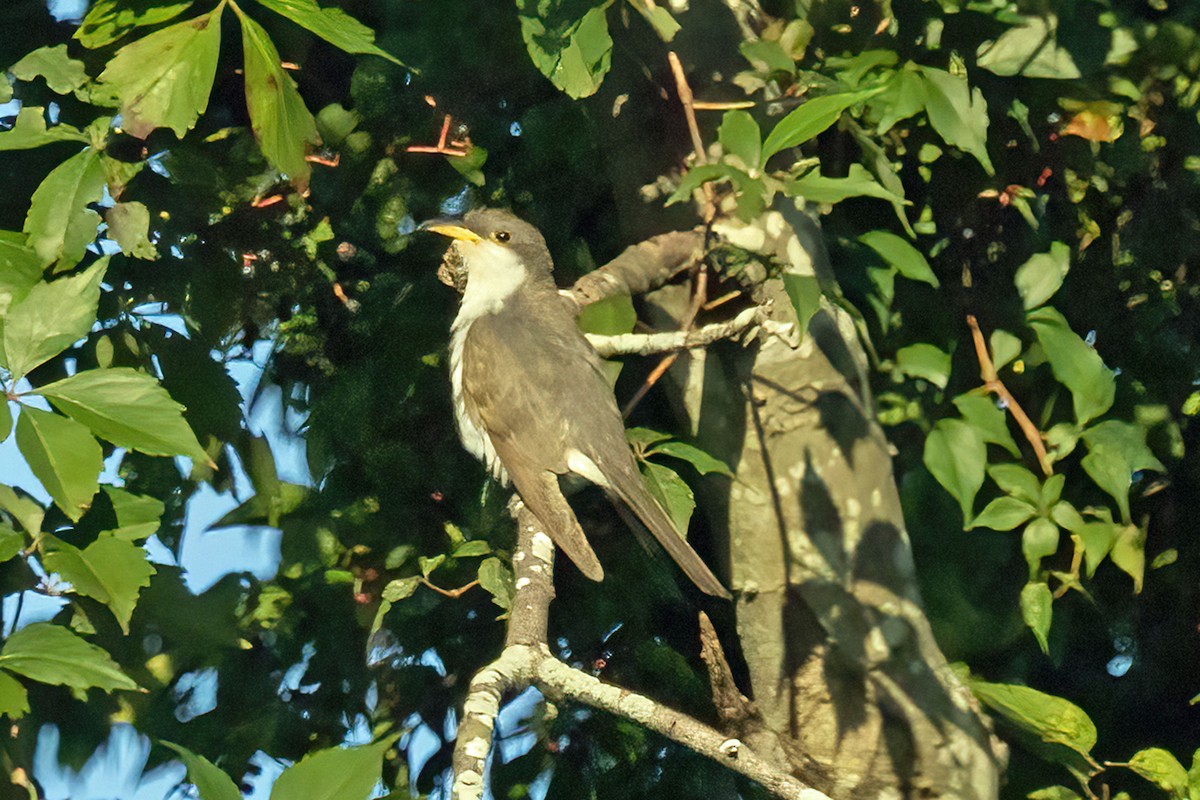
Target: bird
531 399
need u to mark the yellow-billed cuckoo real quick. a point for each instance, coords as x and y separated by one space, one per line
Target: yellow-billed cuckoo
530 397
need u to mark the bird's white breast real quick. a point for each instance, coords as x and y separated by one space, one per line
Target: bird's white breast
493 274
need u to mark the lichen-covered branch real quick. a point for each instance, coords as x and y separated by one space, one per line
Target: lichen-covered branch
641 267
642 344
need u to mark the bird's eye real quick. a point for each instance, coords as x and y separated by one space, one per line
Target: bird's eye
502 236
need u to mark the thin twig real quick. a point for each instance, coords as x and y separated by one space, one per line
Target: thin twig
453 594
992 383
644 344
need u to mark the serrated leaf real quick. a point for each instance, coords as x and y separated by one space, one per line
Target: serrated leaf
816 188
925 361
1050 718
63 456
671 491
1003 514
51 317
1042 275
129 227
1039 540
20 270
210 781
955 455
575 54
138 516
63 74
29 130
702 461
163 80
280 120
128 408
332 24
52 654
811 119
1076 365
497 579
991 421
1036 612
1162 769
739 135
59 224
958 113
400 589
109 570
338 773
14 700
900 254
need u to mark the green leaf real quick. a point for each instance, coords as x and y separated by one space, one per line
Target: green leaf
29 130
899 253
991 421
739 136
1111 473
957 113
1076 365
1036 611
1052 490
1125 440
109 570
610 316
659 18
20 270
903 97
63 74
332 24
52 654
925 361
138 516
1030 50
1162 769
210 781
129 227
811 119
59 224
471 549
1041 276
400 589
697 176
1017 481
816 188
63 456
1039 540
6 419
109 20
128 408
955 455
702 461
338 773
805 293
1098 539
1003 514
14 700
1052 719
428 565
1005 347
24 510
11 543
1053 793
672 493
281 122
1066 516
497 579
470 166
1129 554
163 80
575 54
644 437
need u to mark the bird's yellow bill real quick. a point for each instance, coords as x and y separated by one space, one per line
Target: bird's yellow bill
455 232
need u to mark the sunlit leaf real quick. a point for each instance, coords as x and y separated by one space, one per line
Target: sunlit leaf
401 589
1129 554
955 455
672 493
64 457
991 421
1125 440
805 293
59 224
1112 474
575 54
1004 346
25 510
903 97
1098 539
11 543
52 654
138 516
1037 610
958 113
925 361
163 80
1041 276
332 24
497 580
128 408
810 119
1017 481
1162 769
1039 540
129 227
281 122
1052 719
337 773
700 460
109 20
899 253
63 74
1030 50
816 188
6 419
1003 514
1076 365
29 130
739 135
659 18
109 570
211 782
14 700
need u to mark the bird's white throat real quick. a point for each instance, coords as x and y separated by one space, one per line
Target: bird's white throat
494 273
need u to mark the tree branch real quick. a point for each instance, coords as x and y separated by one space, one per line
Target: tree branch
641 344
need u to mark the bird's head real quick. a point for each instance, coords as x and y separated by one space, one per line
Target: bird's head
491 244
